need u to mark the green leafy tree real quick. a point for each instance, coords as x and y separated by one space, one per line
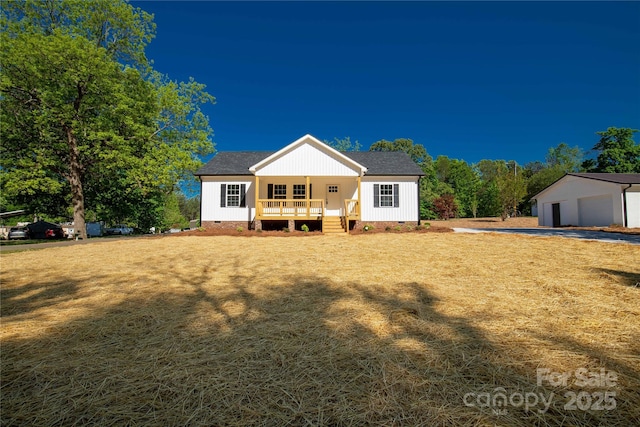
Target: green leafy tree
617 152
172 217
343 144
75 121
463 180
189 207
563 157
121 29
512 188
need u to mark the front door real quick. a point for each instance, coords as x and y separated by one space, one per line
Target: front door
333 201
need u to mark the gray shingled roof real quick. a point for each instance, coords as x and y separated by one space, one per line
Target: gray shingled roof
376 162
617 178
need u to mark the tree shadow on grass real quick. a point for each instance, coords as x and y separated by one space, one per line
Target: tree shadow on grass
628 278
304 351
16 300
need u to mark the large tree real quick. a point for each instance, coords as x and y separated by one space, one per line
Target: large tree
617 152
76 121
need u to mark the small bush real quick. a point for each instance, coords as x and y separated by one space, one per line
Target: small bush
368 227
305 228
239 229
445 206
408 227
286 229
387 228
201 229
397 228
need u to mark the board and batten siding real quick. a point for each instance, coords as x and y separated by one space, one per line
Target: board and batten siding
602 199
307 160
211 199
407 209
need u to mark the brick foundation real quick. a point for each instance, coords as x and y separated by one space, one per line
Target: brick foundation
227 225
381 225
257 225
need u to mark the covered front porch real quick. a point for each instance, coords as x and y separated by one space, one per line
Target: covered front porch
333 200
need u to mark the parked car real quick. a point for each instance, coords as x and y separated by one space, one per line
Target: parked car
16 233
119 229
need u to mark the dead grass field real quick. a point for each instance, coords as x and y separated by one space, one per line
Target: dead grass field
380 329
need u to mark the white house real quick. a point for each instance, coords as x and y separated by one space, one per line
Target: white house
591 199
309 182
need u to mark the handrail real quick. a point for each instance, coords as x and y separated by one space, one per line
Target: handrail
351 206
296 208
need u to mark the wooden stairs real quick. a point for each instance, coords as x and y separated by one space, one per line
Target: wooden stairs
333 225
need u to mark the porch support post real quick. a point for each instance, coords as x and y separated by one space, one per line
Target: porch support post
359 197
306 192
257 192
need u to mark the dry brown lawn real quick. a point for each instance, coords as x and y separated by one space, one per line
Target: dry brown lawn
380 329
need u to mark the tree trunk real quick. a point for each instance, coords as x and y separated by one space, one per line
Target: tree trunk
75 181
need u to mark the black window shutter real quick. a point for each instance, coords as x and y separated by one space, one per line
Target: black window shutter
243 192
223 195
311 191
376 195
396 195
270 191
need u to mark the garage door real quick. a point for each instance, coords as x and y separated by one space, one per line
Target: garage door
595 211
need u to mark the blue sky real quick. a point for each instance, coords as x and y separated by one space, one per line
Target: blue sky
470 80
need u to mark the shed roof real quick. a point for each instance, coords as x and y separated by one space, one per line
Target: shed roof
395 163
616 178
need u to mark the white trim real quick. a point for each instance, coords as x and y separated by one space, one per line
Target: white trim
319 144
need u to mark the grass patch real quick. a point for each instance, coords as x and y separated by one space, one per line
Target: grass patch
382 329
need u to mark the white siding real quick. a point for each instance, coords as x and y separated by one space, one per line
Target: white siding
633 207
211 210
408 209
307 160
569 190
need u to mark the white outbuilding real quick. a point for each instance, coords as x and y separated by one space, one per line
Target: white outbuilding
591 199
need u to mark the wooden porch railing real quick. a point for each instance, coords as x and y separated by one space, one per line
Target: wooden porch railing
351 212
352 209
289 208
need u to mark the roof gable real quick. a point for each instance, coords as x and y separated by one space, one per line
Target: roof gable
381 163
610 178
308 156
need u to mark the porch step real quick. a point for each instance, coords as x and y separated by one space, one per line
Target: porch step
333 225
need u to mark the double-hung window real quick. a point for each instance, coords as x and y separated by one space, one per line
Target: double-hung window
232 195
386 196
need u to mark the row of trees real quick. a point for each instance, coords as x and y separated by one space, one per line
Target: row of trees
489 188
86 123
